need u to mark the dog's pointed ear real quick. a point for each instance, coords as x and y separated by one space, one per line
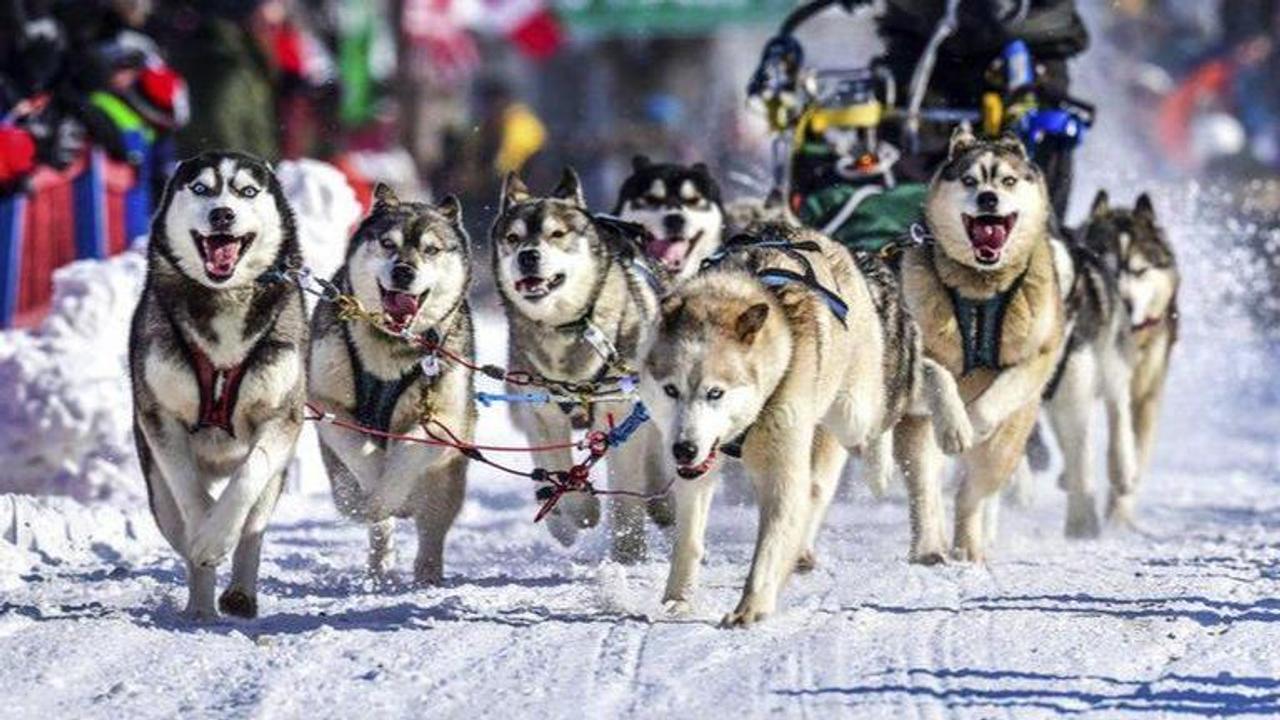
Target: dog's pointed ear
774 199
1101 204
748 324
383 195
1144 210
1012 143
451 209
640 163
513 191
962 138
670 309
570 188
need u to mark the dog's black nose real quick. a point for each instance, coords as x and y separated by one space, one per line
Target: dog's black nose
402 275
673 223
988 201
685 452
529 260
222 218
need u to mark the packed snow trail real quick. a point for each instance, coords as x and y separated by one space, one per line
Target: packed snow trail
1182 618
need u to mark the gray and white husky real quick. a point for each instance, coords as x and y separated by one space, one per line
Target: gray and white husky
1124 323
412 262
216 361
577 304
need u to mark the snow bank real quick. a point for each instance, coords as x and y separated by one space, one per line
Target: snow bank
65 406
326 208
65 426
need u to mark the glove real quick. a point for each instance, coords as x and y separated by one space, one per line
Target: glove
17 154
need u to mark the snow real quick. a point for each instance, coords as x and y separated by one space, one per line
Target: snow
1180 618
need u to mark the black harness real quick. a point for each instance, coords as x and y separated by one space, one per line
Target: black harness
376 398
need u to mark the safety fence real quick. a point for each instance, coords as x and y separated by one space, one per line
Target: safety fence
95 208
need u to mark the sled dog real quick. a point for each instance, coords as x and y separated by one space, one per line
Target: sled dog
216 363
1130 288
577 304
987 295
783 352
679 206
412 262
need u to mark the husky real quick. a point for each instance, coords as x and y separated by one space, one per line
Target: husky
787 354
577 305
679 206
988 296
411 261
1129 249
216 363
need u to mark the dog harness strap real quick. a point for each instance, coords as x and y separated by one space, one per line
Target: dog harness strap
376 398
219 389
777 277
981 324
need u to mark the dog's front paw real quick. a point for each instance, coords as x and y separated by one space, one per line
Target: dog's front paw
212 543
752 609
239 603
1120 510
955 433
807 561
1082 517
983 427
677 607
562 528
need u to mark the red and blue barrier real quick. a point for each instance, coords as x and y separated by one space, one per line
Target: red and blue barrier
92 209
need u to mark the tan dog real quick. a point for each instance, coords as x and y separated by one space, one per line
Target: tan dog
788 353
987 296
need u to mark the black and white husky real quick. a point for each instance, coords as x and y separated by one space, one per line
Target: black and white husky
679 206
412 262
216 360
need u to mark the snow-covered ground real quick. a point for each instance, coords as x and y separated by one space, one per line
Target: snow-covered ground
1182 618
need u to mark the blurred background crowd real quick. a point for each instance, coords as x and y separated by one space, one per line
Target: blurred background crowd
451 94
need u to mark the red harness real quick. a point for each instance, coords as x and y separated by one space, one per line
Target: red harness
219 389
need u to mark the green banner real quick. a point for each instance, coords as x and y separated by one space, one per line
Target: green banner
668 16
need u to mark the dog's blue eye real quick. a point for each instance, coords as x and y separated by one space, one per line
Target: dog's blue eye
970 181
249 192
1009 181
671 391
715 393
199 188
386 242
431 250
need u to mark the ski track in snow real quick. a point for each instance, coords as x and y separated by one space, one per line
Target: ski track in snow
1180 619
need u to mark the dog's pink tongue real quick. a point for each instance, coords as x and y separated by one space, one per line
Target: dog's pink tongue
221 257
988 238
400 306
669 252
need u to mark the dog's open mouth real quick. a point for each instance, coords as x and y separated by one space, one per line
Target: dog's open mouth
400 307
693 472
221 252
988 235
534 287
672 251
